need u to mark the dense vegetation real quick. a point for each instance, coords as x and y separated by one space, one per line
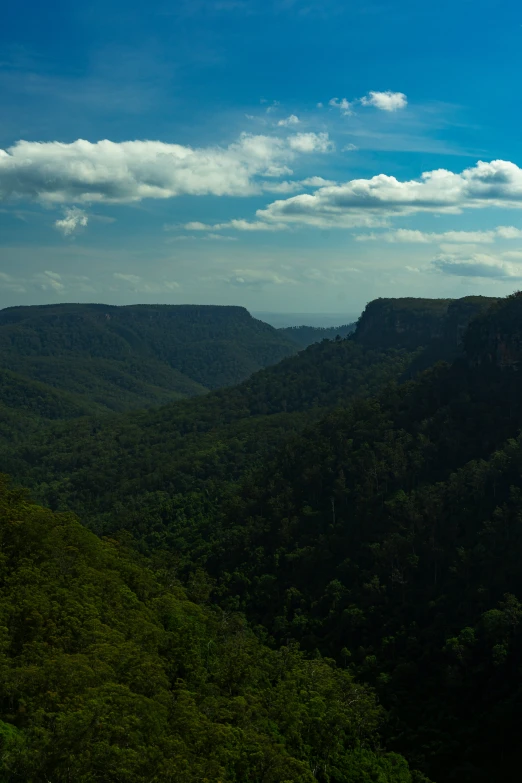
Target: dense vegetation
120 358
109 673
338 501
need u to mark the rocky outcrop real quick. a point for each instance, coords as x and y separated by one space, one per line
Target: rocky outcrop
495 338
411 323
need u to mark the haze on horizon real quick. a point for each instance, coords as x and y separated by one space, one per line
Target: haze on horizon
290 156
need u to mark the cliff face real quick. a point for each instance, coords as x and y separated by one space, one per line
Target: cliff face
495 338
401 323
411 323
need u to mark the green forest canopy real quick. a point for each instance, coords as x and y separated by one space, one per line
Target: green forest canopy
336 503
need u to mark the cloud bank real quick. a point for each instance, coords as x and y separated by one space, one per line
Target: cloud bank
108 172
477 265
372 202
411 236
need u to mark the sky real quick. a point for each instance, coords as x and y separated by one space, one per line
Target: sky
285 155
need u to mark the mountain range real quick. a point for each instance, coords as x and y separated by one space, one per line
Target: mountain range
313 574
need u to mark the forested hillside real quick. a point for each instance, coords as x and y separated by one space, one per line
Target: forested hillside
110 673
122 358
343 500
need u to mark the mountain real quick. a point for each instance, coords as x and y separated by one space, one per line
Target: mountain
122 358
191 450
307 335
347 501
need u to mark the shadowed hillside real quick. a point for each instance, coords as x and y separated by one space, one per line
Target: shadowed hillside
119 358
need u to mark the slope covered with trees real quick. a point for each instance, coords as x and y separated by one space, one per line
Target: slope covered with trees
110 673
120 358
162 466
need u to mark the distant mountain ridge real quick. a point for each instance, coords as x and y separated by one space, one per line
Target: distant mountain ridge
120 358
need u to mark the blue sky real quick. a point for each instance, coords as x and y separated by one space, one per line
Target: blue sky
287 155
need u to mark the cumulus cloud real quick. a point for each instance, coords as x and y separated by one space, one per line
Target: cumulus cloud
316 182
386 101
477 265
277 171
293 186
310 142
372 202
349 148
287 186
291 120
73 219
108 172
344 105
408 236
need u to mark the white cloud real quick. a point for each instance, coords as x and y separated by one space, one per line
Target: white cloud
508 232
408 236
220 237
238 225
74 219
291 120
386 101
49 281
292 186
477 265
317 182
139 285
287 186
372 202
349 148
108 172
257 277
344 105
277 171
310 142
